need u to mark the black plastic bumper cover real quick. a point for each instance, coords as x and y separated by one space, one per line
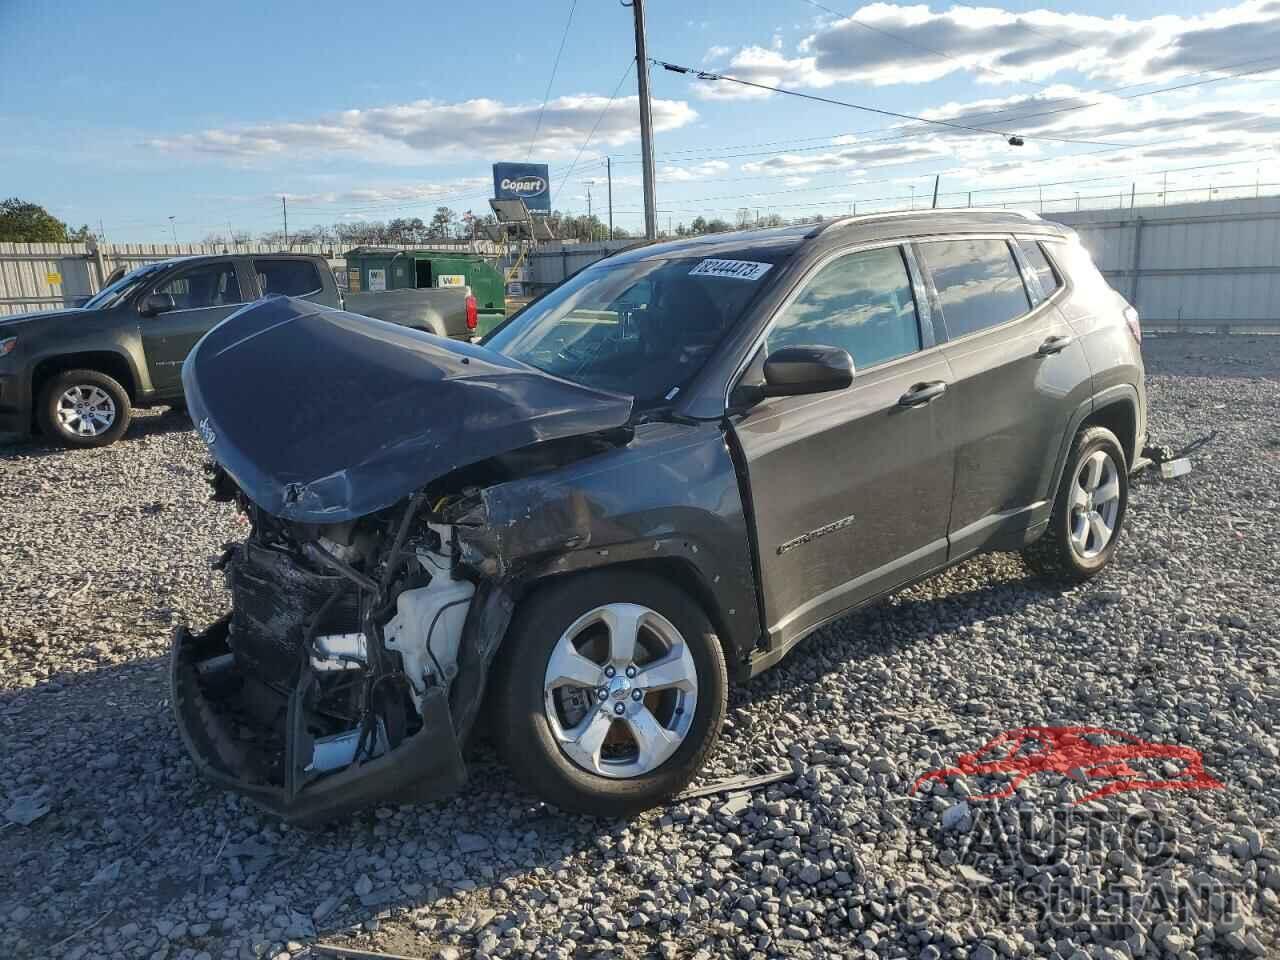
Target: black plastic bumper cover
425 766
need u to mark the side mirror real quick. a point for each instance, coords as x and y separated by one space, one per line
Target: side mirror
794 371
154 303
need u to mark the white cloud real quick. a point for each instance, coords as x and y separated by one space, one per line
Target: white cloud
401 132
388 193
697 171
887 43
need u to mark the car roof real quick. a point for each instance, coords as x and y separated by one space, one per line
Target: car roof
777 243
195 257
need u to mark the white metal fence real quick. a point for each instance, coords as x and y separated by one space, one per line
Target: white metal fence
1191 266
1211 265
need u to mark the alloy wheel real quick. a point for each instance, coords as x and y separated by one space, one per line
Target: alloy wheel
1095 504
86 410
620 690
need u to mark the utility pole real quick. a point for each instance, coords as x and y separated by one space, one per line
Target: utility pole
173 229
284 209
1164 192
1133 193
608 171
937 178
646 123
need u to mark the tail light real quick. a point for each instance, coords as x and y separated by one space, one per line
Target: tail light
473 315
1131 318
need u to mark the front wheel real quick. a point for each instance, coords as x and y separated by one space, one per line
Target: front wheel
1088 511
84 408
610 693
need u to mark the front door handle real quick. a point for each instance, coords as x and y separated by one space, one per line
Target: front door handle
1053 345
922 393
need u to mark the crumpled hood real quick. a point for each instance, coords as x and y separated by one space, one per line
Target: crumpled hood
323 416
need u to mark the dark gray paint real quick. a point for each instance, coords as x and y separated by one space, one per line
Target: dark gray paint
322 416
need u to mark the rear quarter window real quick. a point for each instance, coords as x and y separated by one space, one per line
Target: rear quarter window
290 278
1044 270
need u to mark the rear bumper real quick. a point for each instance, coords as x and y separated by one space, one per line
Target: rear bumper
214 709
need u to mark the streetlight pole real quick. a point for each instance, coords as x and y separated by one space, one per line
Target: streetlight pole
646 123
173 229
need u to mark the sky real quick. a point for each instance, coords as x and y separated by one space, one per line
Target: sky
148 121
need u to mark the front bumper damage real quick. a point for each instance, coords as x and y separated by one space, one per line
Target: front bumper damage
326 689
230 744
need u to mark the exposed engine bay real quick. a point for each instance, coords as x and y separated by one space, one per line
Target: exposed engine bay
341 647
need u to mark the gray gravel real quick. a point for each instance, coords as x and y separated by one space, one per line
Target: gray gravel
110 847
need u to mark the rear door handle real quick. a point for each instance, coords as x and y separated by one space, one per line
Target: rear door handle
922 393
1053 345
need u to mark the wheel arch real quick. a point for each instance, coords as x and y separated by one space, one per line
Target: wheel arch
1116 405
114 365
678 572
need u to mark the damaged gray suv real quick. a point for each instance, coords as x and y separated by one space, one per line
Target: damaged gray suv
649 484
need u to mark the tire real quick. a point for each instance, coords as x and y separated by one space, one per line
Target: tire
530 721
1059 553
106 415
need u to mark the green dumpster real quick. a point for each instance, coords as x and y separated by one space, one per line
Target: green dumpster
373 269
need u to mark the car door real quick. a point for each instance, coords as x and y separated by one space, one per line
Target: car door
1019 374
203 295
850 490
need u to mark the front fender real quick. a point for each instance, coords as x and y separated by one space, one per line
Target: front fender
669 499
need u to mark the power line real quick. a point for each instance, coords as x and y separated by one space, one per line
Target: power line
621 80
1014 140
680 156
573 5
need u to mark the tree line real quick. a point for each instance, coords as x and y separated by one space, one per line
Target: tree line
23 222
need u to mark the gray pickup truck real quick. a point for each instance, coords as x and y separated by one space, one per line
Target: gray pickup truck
77 374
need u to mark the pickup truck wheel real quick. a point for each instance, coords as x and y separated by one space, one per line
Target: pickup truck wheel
1088 511
84 408
610 693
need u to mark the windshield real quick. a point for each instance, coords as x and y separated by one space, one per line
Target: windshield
110 296
642 328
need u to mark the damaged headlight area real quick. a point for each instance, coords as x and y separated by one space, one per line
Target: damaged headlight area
328 685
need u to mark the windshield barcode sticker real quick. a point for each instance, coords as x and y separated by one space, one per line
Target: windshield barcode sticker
735 269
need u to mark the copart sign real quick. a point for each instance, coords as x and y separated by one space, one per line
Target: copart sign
529 182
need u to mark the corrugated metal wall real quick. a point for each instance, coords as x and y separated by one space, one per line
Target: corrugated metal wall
1195 266
46 276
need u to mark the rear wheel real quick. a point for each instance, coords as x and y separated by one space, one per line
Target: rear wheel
611 693
1088 512
84 408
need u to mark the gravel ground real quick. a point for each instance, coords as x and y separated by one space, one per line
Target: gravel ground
101 552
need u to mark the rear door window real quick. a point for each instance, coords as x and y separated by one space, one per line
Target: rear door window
290 278
861 302
978 283
1040 265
